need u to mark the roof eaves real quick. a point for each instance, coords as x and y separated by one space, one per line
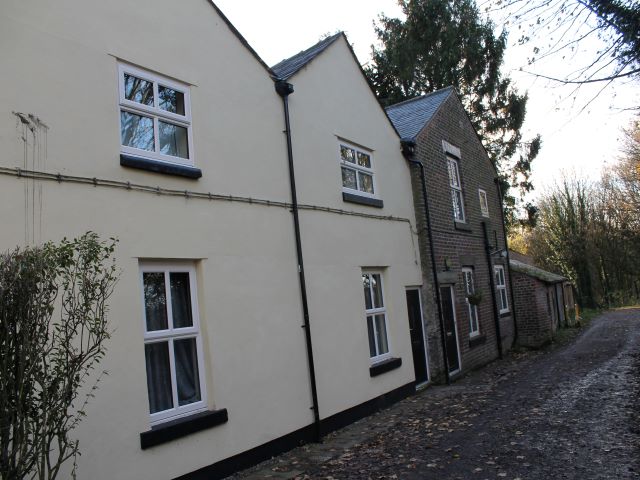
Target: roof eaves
311 53
243 40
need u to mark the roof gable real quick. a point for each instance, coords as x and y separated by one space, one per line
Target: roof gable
288 67
411 116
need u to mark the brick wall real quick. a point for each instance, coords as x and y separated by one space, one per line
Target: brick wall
461 245
535 324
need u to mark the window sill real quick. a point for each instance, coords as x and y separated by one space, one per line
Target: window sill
385 366
159 167
505 314
182 427
477 340
371 202
462 226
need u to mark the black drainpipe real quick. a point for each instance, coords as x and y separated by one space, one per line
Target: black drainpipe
506 247
496 314
408 148
284 89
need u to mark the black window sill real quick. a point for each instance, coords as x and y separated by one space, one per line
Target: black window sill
182 427
462 227
505 314
479 340
371 202
385 366
159 167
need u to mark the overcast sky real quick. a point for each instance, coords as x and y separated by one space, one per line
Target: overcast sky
574 141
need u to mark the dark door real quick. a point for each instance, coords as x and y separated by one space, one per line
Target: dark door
450 334
417 335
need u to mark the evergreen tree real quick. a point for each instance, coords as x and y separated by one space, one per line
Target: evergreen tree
446 42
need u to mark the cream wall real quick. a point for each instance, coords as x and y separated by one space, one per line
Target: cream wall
59 63
332 100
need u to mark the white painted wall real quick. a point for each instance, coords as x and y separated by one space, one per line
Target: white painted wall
59 62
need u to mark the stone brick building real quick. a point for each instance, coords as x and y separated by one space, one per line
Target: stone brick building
462 237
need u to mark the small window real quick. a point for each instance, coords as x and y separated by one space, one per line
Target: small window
457 199
172 344
357 170
376 314
155 117
501 287
470 290
484 205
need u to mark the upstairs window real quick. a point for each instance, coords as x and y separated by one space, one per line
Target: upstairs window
155 116
501 287
357 170
484 205
376 314
457 200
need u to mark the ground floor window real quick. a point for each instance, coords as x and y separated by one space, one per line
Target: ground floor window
172 344
470 296
501 287
376 314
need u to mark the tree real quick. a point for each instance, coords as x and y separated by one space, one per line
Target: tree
53 330
446 42
558 27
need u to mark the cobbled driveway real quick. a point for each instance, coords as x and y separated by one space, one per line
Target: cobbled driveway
563 413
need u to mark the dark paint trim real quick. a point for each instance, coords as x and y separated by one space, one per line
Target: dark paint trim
476 341
159 167
298 437
371 202
385 366
462 227
182 427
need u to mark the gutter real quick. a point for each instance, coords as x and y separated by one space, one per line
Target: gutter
506 247
284 89
408 149
496 314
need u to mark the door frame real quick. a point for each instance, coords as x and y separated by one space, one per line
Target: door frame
455 328
424 335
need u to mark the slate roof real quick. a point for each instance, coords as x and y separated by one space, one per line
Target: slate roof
411 116
536 272
288 67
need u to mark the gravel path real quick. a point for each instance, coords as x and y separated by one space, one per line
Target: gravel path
562 413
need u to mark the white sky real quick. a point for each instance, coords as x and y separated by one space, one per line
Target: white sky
573 141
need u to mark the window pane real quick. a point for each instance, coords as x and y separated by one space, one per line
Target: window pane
501 273
155 301
158 376
347 154
372 338
366 282
173 140
349 178
468 282
473 314
376 285
171 100
180 300
381 332
456 197
136 131
187 377
138 90
366 182
364 160
453 174
503 299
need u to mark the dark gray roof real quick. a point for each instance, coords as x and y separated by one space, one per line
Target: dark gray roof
536 272
411 116
288 67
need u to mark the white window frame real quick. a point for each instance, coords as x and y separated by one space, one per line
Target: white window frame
171 334
456 188
156 113
484 203
372 312
501 288
357 168
474 330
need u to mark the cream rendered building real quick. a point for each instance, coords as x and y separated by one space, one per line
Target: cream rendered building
154 122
